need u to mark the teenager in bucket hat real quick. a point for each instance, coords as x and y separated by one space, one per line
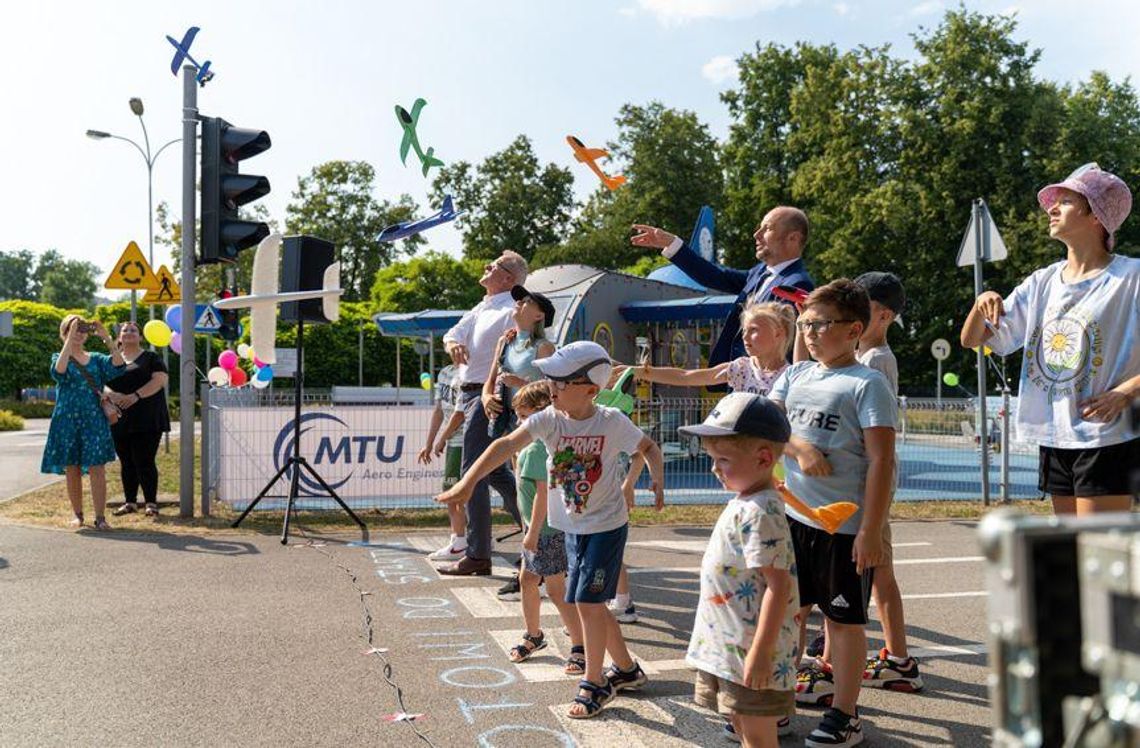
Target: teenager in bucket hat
1077 321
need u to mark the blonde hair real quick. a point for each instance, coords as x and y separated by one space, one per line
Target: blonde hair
515 265
533 395
781 316
65 324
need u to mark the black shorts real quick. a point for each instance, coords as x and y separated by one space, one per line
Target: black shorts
827 575
1100 471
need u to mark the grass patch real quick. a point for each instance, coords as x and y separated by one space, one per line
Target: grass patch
48 507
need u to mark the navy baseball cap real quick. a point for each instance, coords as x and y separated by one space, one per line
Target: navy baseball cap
746 414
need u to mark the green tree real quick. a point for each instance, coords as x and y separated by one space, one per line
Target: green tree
671 162
511 201
335 202
69 284
16 280
431 281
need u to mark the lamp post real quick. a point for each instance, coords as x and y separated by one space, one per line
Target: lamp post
137 108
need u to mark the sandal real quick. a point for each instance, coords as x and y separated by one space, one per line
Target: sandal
101 524
576 662
598 697
128 507
626 680
77 521
530 645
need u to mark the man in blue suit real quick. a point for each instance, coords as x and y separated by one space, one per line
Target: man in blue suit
780 240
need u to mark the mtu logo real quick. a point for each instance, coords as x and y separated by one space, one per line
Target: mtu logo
333 451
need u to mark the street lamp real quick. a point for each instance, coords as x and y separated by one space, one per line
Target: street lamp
137 109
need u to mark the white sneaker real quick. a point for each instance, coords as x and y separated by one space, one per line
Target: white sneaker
450 552
627 614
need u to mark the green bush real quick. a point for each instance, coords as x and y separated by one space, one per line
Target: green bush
9 421
27 410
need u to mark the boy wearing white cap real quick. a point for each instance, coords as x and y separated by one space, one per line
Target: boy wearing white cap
590 448
744 637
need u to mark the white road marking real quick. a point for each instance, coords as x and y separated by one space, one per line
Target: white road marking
940 560
634 721
482 602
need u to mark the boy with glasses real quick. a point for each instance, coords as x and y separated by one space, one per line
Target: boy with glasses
590 448
842 448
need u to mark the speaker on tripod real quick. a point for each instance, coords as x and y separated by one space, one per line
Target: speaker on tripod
303 263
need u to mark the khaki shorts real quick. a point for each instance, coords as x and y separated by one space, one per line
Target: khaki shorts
726 697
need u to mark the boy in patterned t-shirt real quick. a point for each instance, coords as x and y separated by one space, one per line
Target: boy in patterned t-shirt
744 637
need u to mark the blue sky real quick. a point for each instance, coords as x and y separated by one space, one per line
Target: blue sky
323 78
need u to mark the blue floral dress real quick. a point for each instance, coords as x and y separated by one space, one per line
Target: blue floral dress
79 433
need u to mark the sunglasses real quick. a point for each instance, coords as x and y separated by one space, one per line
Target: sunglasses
560 384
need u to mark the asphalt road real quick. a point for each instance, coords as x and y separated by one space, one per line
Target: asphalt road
124 639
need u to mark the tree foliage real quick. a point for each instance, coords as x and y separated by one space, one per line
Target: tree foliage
431 281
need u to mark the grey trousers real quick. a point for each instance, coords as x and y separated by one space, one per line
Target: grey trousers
475 442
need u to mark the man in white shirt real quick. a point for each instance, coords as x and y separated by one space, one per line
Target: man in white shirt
780 240
472 342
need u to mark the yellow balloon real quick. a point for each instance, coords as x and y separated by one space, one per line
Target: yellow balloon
158 333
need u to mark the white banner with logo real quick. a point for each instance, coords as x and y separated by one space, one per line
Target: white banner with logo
360 452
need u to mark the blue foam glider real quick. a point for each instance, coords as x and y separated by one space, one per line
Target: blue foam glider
404 229
182 52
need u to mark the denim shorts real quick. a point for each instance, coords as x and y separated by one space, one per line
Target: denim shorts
594 563
550 558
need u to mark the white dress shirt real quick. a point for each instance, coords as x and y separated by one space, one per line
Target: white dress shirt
480 330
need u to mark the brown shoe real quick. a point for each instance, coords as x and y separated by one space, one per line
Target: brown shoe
468 567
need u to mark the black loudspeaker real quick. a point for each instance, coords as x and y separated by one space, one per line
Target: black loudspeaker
303 264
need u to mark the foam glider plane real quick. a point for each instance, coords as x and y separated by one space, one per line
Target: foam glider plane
265 295
589 157
831 517
404 229
409 121
182 52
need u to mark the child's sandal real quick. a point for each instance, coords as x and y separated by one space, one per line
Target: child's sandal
530 645
576 662
598 697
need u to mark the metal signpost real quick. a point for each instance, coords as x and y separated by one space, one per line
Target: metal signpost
940 349
187 376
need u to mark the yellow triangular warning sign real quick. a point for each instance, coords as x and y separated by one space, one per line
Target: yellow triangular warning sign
131 272
165 291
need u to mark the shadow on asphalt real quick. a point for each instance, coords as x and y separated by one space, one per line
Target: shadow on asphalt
186 543
3 563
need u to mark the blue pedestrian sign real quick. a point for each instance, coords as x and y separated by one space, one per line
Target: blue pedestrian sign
206 319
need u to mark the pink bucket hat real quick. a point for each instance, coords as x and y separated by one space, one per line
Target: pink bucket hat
1108 196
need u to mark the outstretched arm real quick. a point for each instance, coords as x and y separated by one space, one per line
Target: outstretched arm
501 450
696 267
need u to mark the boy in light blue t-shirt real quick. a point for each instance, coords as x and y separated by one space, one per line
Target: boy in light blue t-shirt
842 448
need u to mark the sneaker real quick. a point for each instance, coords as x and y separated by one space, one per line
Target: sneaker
626 615
510 592
836 728
626 680
815 685
883 672
815 649
450 552
783 727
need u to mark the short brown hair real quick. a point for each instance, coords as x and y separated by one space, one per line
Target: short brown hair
846 296
534 395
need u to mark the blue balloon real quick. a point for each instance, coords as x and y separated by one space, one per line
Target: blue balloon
265 373
174 317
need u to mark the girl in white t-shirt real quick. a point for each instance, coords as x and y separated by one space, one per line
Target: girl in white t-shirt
1077 320
768 330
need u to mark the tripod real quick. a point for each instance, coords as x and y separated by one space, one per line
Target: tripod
296 461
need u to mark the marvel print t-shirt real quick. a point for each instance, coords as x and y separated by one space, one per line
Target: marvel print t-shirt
829 408
1081 339
588 461
751 533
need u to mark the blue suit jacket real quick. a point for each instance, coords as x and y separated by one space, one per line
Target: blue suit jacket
743 283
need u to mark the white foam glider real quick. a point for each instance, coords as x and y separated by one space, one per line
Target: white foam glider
265 296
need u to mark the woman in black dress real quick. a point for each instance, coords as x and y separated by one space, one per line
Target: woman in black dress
139 392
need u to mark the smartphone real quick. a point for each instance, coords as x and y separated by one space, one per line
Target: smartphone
86 327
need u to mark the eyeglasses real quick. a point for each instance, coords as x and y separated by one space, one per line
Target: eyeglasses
819 326
560 384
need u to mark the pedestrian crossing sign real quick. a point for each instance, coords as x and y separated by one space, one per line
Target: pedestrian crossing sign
165 289
209 321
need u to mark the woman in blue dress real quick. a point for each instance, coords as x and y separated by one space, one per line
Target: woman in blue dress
79 438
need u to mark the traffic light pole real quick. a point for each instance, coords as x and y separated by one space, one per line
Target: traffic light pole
187 377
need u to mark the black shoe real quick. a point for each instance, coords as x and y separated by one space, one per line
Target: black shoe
815 649
836 729
511 591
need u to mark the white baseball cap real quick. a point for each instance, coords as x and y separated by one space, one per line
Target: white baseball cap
582 358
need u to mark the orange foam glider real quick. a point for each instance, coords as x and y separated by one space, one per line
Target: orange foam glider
589 157
830 517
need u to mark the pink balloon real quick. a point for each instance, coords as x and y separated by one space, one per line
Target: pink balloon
176 343
258 362
228 360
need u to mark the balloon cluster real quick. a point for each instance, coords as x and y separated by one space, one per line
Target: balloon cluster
228 372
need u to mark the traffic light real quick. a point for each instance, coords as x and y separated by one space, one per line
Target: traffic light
224 234
229 327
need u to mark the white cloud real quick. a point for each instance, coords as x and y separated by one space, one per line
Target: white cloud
719 69
927 8
678 12
842 8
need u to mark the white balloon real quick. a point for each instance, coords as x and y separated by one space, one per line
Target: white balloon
244 351
259 384
218 376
